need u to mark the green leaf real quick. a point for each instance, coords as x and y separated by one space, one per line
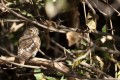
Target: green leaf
26 13
69 62
38 76
104 28
83 42
76 63
37 70
50 78
62 78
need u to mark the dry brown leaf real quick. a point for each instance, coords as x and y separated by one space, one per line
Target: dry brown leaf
15 27
72 37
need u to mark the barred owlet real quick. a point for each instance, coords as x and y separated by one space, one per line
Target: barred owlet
29 44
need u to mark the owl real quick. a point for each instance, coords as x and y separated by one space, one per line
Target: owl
28 45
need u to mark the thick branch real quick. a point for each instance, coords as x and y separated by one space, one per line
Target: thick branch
59 66
40 62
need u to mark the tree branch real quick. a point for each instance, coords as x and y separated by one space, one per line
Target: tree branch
40 63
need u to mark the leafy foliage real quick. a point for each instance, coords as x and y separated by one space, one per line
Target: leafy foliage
80 39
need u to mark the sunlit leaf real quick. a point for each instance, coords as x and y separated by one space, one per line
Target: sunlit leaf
103 39
76 63
15 27
91 23
9 4
37 70
101 63
38 75
50 78
83 42
109 37
26 13
69 62
118 74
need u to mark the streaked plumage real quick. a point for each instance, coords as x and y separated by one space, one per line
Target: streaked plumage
29 44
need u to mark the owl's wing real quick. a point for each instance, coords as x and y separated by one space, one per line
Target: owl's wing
23 54
25 42
28 46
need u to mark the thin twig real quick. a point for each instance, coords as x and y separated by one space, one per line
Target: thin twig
105 34
21 65
114 9
13 20
105 49
90 6
52 28
44 54
35 22
62 59
83 56
8 52
70 53
95 69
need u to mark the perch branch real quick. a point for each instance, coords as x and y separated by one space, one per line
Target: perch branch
59 66
38 62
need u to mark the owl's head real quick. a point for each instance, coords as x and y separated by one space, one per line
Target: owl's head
31 31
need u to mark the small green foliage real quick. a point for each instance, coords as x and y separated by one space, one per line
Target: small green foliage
104 28
27 14
93 35
63 78
69 62
50 78
76 63
38 75
83 42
